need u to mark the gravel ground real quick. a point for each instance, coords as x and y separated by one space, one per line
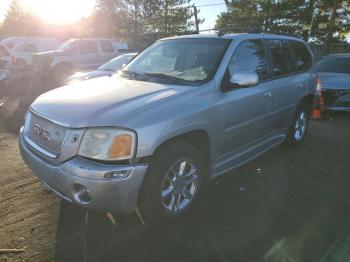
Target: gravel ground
287 205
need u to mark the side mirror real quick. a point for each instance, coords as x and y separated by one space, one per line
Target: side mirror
244 79
123 66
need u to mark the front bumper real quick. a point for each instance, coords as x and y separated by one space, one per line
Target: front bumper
82 182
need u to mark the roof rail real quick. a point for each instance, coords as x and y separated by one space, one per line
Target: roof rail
251 30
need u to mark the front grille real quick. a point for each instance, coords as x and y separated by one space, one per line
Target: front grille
46 134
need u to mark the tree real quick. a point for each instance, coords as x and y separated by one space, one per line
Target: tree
169 17
330 18
141 22
14 22
108 19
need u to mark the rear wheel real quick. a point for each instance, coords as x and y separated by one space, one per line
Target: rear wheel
173 182
299 125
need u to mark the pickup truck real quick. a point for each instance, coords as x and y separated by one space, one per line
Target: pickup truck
77 55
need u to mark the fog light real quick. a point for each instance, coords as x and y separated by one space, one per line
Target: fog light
117 174
81 194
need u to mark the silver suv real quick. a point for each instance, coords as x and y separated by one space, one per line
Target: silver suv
185 110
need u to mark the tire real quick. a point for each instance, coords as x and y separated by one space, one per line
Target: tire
164 177
298 128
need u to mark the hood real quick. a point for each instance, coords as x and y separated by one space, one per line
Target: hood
334 81
89 75
104 101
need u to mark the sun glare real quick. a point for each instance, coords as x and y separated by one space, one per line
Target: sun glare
60 11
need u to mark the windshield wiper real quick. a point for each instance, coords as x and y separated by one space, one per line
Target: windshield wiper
131 74
174 79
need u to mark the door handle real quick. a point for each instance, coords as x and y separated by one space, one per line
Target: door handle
268 94
299 86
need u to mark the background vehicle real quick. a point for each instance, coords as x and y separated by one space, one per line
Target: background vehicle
4 78
23 51
78 54
12 42
334 79
7 59
106 69
186 109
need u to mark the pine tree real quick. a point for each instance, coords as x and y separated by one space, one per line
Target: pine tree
14 22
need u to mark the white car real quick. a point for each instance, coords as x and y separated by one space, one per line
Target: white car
23 51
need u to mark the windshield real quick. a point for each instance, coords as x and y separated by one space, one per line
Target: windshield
334 65
186 60
116 63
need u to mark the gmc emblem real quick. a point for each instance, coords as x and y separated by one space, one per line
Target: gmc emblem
41 132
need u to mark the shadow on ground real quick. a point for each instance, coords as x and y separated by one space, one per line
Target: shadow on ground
287 205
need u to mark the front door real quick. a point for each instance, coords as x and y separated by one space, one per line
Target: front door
246 113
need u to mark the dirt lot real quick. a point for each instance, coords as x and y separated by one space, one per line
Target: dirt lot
287 205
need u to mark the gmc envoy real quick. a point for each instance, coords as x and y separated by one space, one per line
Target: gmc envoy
185 110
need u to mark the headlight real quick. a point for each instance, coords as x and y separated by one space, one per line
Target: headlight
108 144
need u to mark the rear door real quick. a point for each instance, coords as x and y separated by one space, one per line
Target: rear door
288 83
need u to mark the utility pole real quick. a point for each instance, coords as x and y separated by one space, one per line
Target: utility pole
314 13
196 19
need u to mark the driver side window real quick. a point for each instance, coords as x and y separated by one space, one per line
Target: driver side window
249 57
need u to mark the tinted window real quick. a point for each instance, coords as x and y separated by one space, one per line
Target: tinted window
88 47
282 58
302 56
334 65
249 56
106 46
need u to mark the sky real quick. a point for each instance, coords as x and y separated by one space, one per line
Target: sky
55 11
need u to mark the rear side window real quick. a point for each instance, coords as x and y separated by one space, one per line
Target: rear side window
282 57
302 57
106 46
334 65
249 56
88 47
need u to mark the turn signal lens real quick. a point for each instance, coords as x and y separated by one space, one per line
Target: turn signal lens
108 144
121 146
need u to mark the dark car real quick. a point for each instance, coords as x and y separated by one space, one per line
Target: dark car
334 81
106 69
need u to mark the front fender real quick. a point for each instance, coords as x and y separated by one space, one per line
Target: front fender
151 138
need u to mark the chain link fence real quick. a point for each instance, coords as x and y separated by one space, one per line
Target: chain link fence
322 50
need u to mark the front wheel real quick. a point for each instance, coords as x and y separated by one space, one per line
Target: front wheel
173 182
299 125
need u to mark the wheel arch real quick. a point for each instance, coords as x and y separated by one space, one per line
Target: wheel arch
308 100
199 138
